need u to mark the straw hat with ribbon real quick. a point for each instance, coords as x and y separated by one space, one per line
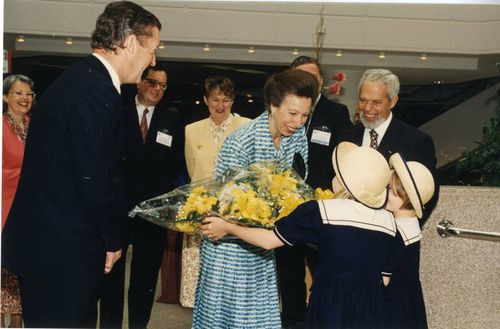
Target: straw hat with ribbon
363 172
416 179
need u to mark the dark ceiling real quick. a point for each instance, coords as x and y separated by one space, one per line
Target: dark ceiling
185 82
417 104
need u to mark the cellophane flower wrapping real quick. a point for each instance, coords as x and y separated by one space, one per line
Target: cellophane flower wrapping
256 195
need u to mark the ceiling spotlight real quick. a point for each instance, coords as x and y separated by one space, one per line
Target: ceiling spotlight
381 55
339 53
251 50
197 102
295 51
206 47
250 100
161 46
249 95
423 57
438 82
69 41
20 39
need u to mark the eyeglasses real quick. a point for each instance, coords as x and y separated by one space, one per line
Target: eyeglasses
224 101
155 83
18 93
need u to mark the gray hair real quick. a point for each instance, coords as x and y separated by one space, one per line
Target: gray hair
9 81
386 77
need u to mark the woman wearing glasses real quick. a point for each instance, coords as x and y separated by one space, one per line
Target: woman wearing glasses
203 141
18 97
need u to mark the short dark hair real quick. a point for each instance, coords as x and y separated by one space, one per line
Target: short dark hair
156 68
119 20
224 84
9 81
289 82
301 60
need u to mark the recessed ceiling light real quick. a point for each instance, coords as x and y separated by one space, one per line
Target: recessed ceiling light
20 39
295 51
251 50
250 100
161 46
197 102
206 47
69 41
339 53
249 95
423 57
381 55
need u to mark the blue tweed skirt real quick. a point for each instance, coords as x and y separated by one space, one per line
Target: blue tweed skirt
236 287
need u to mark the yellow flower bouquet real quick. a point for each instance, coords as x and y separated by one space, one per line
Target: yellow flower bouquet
257 195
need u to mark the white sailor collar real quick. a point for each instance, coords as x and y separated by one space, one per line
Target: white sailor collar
345 212
409 229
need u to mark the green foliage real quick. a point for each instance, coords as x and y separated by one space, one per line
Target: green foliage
485 160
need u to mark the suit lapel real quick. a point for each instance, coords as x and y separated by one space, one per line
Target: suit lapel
135 129
359 131
386 146
154 124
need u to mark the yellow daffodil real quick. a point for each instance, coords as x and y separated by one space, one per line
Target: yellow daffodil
320 194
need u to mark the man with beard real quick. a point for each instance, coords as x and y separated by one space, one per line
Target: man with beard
378 128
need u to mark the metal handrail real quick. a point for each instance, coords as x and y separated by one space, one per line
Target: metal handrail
446 229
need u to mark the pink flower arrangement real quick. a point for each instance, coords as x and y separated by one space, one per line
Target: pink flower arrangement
338 80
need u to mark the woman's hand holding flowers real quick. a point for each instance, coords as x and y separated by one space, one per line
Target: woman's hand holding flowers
215 228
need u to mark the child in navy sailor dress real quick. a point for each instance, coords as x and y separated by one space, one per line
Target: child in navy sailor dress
354 244
405 300
411 187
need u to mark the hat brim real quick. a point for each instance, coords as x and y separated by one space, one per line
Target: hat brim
343 148
408 181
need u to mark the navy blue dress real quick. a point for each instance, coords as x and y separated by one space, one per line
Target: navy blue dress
405 300
354 245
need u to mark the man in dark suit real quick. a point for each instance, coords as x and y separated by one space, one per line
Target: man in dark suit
378 128
327 120
154 158
63 232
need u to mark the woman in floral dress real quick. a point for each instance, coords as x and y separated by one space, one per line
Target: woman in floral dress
18 98
202 143
237 283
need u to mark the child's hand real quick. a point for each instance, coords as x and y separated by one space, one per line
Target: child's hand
214 228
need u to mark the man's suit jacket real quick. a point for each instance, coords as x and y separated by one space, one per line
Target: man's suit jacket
65 213
154 167
411 143
329 117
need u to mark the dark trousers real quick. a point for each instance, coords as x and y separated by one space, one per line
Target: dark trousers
290 263
148 241
47 306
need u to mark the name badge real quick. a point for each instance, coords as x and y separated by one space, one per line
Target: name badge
321 137
164 139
